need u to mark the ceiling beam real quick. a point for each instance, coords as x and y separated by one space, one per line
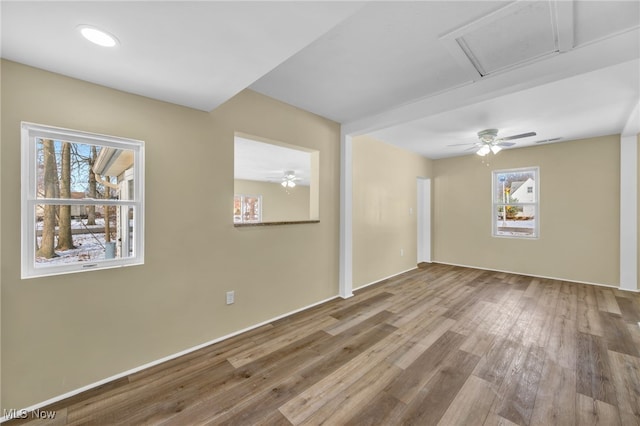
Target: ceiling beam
564 21
620 48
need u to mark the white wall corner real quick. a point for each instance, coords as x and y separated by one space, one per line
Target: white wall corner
632 127
629 212
346 216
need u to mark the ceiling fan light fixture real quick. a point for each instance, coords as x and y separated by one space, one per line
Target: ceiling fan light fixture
98 36
289 178
288 184
484 150
488 142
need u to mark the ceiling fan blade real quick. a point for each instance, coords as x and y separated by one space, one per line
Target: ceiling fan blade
472 148
522 135
548 140
462 144
506 144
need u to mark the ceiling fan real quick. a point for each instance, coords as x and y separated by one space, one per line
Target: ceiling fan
289 179
488 141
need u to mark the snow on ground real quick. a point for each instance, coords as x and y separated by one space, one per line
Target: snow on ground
90 246
515 227
516 223
78 224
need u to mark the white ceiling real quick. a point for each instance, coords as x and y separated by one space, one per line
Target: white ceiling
250 164
193 53
597 103
421 75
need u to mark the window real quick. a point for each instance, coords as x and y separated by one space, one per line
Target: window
82 201
247 209
515 203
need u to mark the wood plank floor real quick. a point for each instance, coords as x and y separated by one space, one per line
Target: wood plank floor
440 345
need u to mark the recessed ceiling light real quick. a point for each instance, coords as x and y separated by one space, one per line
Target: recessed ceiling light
97 36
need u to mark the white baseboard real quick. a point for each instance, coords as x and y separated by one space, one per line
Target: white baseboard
536 276
159 361
385 278
219 339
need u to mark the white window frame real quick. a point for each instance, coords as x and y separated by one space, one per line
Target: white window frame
243 209
495 204
30 133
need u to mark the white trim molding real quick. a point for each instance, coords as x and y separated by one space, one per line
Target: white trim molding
533 275
363 286
122 157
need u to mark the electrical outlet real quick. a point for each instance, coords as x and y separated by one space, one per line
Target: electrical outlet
231 297
401 252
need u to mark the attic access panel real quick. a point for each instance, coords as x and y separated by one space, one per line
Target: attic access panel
519 33
521 36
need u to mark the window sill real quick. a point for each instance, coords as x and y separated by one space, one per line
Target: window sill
292 222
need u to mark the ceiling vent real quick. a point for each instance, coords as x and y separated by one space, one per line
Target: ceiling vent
519 33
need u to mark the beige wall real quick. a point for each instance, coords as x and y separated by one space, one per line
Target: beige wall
579 218
384 191
638 229
277 204
65 332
